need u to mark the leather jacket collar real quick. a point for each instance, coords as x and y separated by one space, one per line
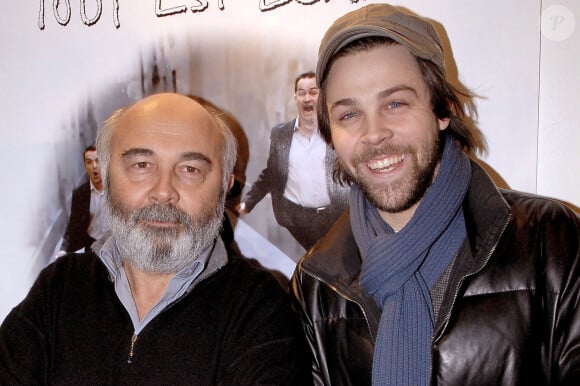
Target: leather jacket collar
336 261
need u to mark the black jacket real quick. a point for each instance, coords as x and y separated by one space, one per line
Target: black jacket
510 314
235 327
76 236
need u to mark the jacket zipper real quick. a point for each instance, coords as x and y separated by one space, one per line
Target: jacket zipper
448 315
470 275
452 303
135 336
340 293
132 348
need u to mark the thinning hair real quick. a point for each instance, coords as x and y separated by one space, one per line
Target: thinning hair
228 150
229 145
104 140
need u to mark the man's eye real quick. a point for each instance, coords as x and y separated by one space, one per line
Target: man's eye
347 116
141 165
395 105
190 169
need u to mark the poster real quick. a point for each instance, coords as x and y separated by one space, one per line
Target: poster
67 64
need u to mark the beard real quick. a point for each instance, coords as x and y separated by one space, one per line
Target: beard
162 250
402 194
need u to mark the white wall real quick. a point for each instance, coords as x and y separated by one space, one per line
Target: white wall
558 167
244 59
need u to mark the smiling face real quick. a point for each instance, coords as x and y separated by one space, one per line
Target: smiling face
306 98
165 195
383 129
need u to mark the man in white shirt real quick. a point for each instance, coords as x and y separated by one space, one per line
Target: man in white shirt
87 220
299 171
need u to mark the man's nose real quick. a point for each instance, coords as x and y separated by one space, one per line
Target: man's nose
163 190
376 130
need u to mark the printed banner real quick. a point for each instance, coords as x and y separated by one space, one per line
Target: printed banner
67 64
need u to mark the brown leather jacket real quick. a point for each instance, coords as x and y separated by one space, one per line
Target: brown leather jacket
511 311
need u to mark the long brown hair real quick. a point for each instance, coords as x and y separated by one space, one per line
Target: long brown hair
446 100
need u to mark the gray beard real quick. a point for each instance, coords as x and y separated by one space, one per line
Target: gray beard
162 250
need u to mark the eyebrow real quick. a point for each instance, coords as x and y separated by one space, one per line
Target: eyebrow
392 90
195 156
136 152
187 156
380 95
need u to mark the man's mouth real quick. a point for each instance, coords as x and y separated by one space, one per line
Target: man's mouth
161 224
159 217
308 108
386 164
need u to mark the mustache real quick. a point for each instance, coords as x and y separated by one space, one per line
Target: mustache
162 213
375 152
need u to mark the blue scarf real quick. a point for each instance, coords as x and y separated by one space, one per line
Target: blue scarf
398 269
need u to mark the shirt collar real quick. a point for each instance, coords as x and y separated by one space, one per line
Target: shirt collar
111 258
297 125
94 189
210 261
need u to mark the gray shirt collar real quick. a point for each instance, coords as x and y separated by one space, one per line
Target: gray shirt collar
210 261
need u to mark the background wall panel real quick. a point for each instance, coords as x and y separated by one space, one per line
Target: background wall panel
60 82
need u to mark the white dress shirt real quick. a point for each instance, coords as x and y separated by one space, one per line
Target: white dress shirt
98 227
306 185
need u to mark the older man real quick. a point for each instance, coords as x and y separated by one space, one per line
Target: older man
435 276
163 302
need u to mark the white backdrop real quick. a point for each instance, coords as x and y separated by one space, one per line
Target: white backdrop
59 81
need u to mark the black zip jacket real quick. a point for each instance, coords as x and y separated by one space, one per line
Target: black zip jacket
235 327
510 314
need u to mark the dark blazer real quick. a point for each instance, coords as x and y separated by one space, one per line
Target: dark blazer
76 237
273 178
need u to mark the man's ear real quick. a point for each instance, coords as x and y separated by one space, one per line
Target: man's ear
443 123
231 181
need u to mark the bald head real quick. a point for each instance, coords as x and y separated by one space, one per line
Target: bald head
160 112
167 108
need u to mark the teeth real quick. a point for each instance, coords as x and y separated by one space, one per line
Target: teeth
385 162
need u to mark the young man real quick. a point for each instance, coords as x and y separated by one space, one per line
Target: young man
298 175
87 220
163 301
435 276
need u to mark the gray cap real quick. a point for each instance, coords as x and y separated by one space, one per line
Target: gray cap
411 31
